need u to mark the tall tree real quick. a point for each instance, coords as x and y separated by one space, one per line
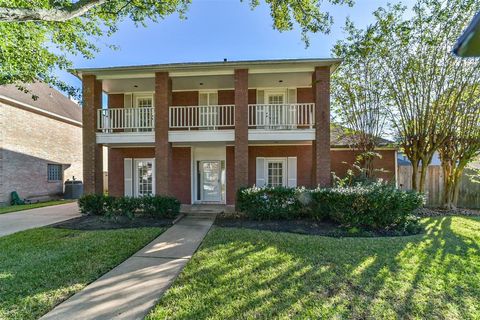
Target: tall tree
359 94
39 35
462 145
418 71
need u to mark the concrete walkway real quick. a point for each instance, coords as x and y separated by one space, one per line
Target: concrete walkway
34 218
132 289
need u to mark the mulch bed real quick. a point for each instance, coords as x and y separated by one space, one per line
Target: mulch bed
301 226
89 222
438 212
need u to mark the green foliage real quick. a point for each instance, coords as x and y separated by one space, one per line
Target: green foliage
33 46
93 204
109 206
270 203
375 206
159 206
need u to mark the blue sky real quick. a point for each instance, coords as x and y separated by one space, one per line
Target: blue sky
218 29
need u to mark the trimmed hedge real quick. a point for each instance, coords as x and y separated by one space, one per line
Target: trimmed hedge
373 206
269 203
103 205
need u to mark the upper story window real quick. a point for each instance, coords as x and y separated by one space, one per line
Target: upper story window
208 98
276 98
54 172
144 102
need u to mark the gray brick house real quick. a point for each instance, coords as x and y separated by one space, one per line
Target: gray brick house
40 142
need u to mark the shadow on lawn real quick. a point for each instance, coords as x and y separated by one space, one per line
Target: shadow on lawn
243 274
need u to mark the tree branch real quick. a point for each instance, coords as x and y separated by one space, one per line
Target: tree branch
77 9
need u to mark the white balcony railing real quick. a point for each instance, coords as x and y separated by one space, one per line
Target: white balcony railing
202 117
281 116
260 116
125 119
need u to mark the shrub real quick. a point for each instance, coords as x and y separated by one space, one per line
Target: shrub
374 206
157 206
92 204
368 206
160 206
270 203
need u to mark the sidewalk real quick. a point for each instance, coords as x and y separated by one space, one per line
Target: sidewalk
33 218
132 289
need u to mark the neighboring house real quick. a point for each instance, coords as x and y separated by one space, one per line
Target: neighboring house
201 131
40 142
404 161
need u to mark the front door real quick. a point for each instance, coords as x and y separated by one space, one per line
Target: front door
210 181
144 177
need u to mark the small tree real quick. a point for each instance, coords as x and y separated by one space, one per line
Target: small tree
418 70
462 145
359 94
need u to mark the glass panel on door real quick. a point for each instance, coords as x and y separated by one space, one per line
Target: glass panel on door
144 177
210 180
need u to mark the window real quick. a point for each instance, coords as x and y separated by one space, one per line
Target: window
144 102
54 172
275 173
208 115
276 98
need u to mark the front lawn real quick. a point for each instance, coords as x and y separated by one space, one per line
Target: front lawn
242 274
41 267
32 206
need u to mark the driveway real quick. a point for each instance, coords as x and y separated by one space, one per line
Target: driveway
34 218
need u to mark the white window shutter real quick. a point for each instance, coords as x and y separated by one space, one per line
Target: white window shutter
292 95
128 176
292 172
260 168
127 100
260 96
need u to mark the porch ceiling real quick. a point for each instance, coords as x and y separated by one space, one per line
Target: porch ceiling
268 80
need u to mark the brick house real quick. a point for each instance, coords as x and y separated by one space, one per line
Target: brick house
40 142
200 131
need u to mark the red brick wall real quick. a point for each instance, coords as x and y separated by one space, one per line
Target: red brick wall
92 152
387 162
305 95
163 148
302 152
228 96
321 144
179 178
116 100
241 128
230 168
115 166
185 98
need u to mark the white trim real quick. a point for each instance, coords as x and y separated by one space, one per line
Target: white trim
41 111
201 136
333 148
147 137
207 153
281 135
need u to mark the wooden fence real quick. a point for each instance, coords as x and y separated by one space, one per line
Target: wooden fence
469 194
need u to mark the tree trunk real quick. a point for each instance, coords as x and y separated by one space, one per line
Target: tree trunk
423 177
414 175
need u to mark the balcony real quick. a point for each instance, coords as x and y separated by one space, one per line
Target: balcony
207 123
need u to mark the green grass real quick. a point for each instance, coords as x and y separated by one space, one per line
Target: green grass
246 274
39 268
32 206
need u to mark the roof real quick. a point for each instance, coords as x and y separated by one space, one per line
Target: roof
49 101
340 138
468 45
182 66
